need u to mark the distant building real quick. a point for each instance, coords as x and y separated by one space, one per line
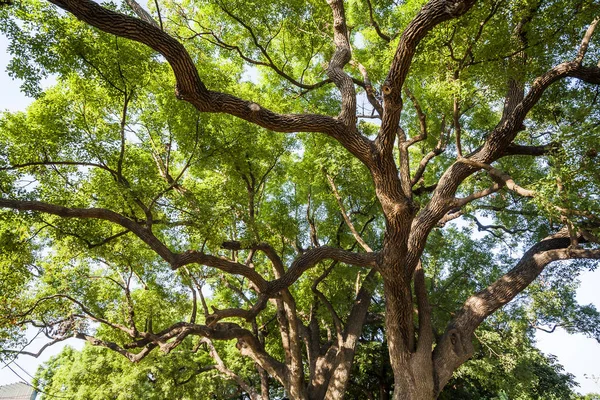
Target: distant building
17 391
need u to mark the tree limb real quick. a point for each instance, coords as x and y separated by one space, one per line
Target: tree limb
431 15
349 223
455 346
192 89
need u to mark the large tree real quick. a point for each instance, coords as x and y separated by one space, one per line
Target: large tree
304 142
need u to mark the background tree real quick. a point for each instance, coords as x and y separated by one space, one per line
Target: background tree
132 203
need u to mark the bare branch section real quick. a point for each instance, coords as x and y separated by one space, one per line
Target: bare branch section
369 90
422 119
585 42
501 177
141 12
424 308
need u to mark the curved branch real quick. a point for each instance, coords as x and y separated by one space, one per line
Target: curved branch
270 63
220 366
133 357
369 90
223 264
337 322
431 15
501 177
40 351
375 25
340 58
94 213
145 234
313 256
455 346
53 163
192 89
495 146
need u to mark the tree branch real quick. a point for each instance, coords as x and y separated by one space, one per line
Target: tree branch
220 366
500 177
141 12
355 233
497 142
313 256
431 15
455 346
340 58
375 25
192 89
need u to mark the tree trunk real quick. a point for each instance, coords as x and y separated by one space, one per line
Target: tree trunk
411 361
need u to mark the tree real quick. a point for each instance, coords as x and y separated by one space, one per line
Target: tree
131 202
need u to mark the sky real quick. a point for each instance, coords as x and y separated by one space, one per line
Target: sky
578 354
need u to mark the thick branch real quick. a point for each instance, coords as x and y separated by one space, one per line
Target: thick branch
495 146
455 347
553 248
500 177
94 213
146 235
520 150
313 256
585 42
133 357
223 264
431 15
459 202
340 58
191 88
424 308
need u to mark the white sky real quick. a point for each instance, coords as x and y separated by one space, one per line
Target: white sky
578 354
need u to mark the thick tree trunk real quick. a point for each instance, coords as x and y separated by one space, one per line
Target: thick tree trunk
411 365
410 353
341 375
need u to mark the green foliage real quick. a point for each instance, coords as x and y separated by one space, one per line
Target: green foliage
75 374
